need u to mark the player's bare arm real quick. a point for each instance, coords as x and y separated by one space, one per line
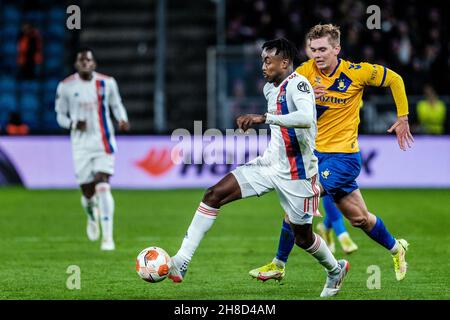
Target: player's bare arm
124 125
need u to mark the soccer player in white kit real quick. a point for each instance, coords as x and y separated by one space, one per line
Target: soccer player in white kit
288 166
83 104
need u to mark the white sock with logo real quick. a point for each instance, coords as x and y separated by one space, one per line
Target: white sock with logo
106 208
201 223
322 253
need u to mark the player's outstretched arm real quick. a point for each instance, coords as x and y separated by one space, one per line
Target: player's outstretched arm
296 119
401 126
376 75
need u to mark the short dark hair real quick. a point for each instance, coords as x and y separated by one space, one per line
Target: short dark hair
286 48
84 49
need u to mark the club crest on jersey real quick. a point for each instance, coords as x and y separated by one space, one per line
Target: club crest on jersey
318 79
282 97
325 174
341 84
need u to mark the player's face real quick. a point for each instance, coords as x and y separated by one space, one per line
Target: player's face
85 62
273 66
323 52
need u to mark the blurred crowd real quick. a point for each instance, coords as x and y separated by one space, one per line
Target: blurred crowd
32 61
413 39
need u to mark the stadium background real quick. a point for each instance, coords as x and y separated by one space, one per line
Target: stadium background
180 61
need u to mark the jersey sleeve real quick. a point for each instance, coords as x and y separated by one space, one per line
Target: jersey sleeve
380 76
62 107
300 92
115 102
371 74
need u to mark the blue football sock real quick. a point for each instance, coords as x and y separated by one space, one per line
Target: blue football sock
333 217
380 234
327 221
286 242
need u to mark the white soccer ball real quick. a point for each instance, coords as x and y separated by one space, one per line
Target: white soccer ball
153 264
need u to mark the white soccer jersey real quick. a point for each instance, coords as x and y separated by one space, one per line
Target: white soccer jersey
77 99
290 152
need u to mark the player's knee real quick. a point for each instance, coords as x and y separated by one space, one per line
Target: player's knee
212 197
360 222
88 194
101 177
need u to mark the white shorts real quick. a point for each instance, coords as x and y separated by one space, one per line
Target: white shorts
88 164
299 198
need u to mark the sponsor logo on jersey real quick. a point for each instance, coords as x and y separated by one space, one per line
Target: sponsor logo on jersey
334 100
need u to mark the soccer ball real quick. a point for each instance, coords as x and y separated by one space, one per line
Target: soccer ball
153 264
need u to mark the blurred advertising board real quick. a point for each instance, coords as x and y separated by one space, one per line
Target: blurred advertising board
161 162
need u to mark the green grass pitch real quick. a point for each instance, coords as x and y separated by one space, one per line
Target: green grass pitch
42 233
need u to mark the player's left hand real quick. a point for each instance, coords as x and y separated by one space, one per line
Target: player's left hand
404 136
124 125
247 120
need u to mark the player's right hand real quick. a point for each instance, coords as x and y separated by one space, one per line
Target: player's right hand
81 125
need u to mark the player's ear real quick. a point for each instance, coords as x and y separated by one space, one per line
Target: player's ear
337 49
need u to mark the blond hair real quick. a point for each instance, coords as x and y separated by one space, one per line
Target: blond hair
325 30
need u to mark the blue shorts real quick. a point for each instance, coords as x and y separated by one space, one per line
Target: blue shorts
338 172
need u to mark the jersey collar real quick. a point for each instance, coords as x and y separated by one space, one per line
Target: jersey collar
334 71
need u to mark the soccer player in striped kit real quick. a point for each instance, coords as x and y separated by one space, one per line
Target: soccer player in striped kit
84 102
287 166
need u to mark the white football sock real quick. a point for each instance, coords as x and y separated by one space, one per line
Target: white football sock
203 220
394 249
88 206
106 208
322 253
279 263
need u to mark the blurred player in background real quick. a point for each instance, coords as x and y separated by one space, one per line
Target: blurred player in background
338 87
288 166
83 102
